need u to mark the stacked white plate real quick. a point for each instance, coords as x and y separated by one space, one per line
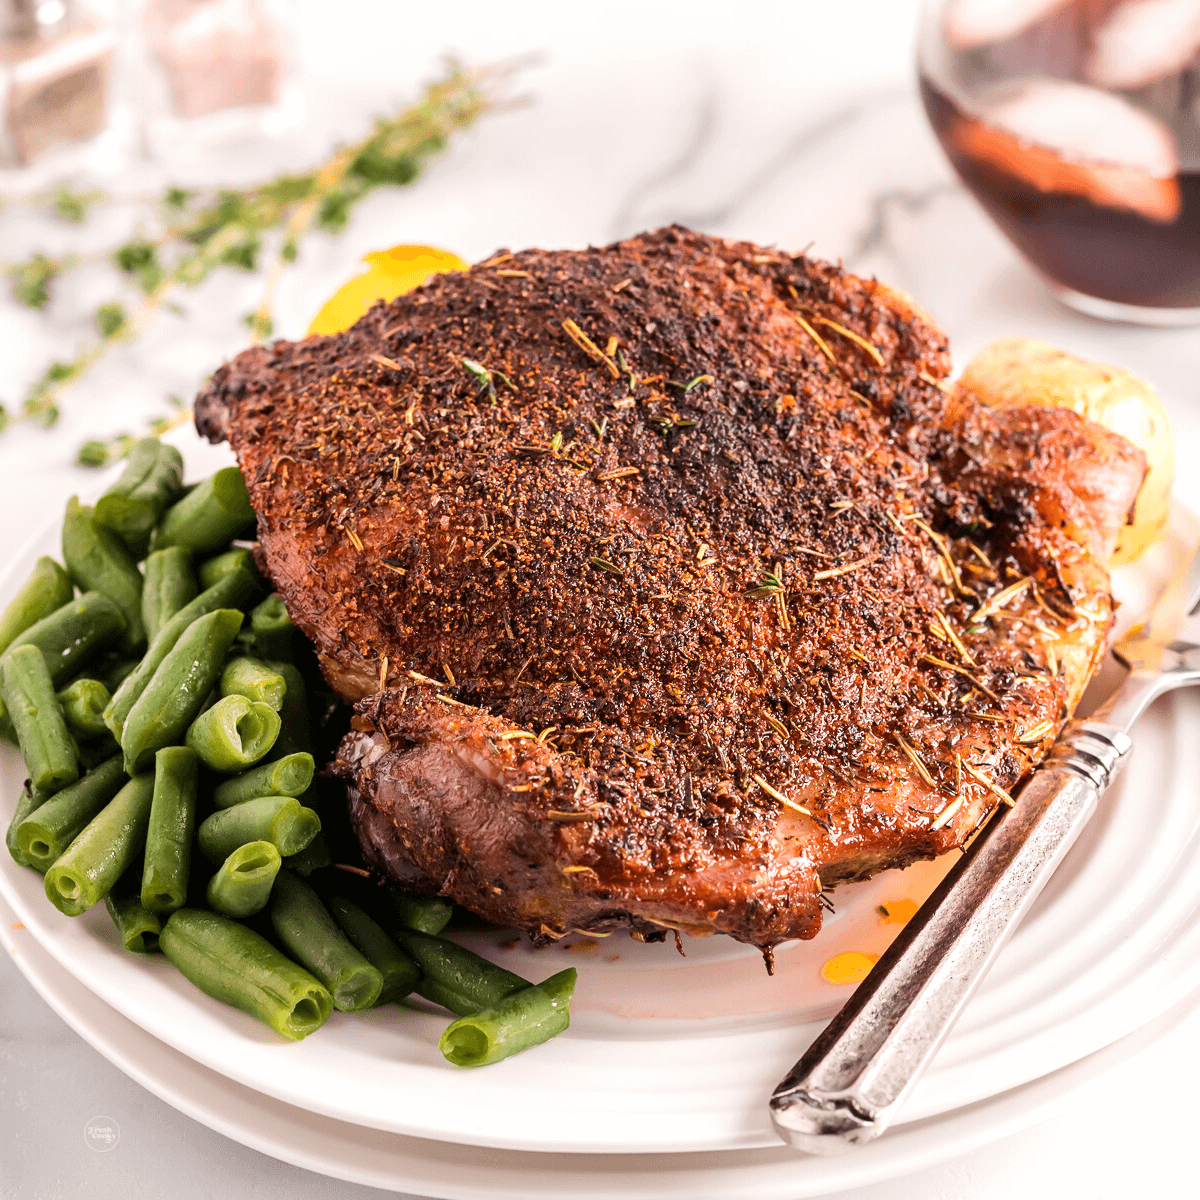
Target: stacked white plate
661 1082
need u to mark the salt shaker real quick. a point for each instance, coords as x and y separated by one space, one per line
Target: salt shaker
216 71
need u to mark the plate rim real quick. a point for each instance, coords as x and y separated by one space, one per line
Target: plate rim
775 1173
1057 1052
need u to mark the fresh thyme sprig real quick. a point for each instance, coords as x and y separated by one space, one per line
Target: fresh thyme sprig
199 232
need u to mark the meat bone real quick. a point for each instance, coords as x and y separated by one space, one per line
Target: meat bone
855 1077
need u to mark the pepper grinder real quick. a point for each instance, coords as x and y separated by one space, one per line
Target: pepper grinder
217 72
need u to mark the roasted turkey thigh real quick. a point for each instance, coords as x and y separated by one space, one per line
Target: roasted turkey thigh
691 585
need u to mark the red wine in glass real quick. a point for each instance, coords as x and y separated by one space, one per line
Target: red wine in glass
1097 186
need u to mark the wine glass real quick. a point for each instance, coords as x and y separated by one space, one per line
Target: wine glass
1076 124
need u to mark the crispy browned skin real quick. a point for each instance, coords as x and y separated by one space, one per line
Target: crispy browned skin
581 561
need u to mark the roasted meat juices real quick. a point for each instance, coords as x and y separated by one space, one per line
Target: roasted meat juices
671 581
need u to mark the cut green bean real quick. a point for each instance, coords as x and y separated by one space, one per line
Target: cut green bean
46 744
213 569
208 516
241 885
45 591
139 928
27 804
176 691
295 736
229 592
167 862
252 678
524 1019
83 704
46 833
281 820
89 867
425 914
307 931
454 977
313 857
234 734
290 776
271 628
99 561
152 479
399 972
237 966
168 586
71 635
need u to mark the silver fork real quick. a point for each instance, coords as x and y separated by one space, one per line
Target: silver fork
855 1077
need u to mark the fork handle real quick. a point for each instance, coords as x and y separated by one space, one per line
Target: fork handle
856 1075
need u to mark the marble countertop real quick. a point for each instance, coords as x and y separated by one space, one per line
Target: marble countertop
793 124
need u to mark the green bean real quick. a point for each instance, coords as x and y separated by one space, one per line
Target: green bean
312 858
46 833
208 516
400 973
229 592
70 635
167 862
138 926
168 586
46 745
241 885
213 569
252 678
152 479
99 561
295 736
234 734
83 704
524 1019
47 589
237 966
454 977
27 804
86 871
290 776
272 628
178 688
281 820
425 914
311 936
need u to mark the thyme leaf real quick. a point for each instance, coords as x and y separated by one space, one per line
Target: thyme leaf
200 231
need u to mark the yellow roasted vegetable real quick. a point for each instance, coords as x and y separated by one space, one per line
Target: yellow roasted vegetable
391 273
1021 371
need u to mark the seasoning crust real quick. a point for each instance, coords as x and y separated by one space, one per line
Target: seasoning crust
672 581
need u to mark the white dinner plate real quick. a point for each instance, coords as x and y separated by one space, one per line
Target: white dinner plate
670 1054
450 1172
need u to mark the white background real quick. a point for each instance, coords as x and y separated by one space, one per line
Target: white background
788 123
